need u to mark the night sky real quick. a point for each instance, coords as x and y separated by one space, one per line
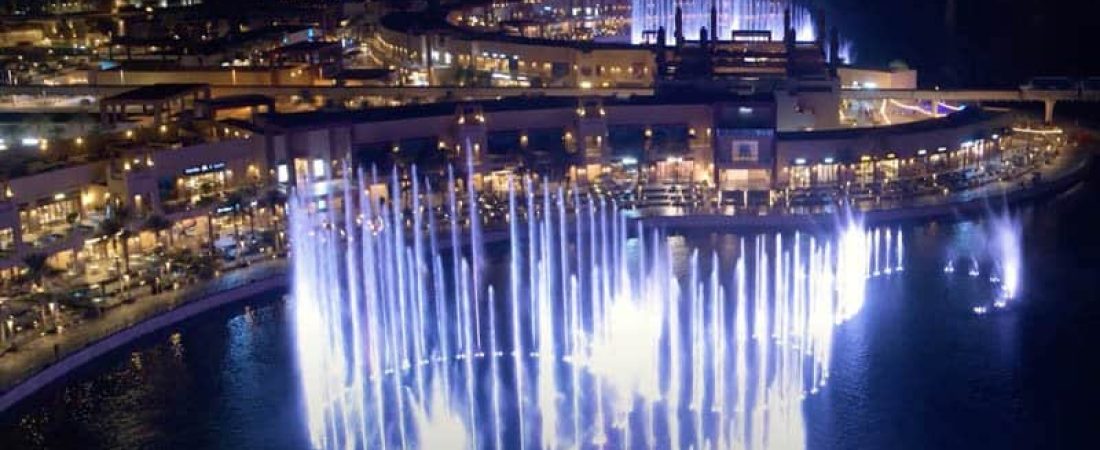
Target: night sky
990 43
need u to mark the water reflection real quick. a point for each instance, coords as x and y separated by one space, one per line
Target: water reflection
916 369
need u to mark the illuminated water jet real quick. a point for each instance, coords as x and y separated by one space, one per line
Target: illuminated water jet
756 15
403 342
1007 243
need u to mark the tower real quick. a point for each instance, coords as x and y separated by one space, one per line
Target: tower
714 20
834 50
678 31
788 32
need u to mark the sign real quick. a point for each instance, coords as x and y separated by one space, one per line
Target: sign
205 168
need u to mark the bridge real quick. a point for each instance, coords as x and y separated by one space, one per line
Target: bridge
339 93
1047 97
435 93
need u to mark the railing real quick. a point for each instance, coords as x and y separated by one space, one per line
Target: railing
39 355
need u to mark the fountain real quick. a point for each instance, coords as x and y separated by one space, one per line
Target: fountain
587 338
1006 246
740 15
1002 239
759 15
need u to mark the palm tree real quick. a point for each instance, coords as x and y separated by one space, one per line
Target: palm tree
159 224
248 197
109 230
276 200
38 267
114 228
273 198
235 200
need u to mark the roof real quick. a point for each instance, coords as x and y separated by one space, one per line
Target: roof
155 92
50 116
968 116
306 47
320 118
175 66
364 74
235 101
413 22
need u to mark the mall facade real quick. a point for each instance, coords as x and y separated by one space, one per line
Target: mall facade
743 115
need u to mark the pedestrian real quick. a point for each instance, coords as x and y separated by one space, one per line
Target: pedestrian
57 352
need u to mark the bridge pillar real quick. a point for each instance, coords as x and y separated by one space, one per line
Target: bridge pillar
1048 111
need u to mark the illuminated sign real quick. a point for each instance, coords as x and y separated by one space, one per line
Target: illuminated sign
205 168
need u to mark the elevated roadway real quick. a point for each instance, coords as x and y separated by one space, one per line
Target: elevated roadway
339 93
1047 97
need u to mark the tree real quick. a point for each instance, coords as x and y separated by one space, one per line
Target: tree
235 201
38 267
114 228
248 197
305 96
204 266
158 224
276 200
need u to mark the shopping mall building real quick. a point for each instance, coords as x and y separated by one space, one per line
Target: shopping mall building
740 114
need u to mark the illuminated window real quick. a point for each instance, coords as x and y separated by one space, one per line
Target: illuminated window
744 151
283 174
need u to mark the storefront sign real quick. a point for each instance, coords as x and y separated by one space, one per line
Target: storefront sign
205 168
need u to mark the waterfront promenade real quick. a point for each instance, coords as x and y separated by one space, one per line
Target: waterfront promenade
1062 173
46 359
38 356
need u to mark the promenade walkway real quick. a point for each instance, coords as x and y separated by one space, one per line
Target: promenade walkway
1066 170
40 353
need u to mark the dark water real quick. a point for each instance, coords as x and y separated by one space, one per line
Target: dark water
916 369
224 381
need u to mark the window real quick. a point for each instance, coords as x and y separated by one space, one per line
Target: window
283 174
744 151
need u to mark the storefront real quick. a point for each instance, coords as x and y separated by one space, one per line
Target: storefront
673 170
46 215
888 168
744 179
204 180
800 174
864 170
825 173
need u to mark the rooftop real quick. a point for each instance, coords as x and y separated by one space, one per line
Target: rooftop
322 118
306 47
155 92
412 22
967 116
